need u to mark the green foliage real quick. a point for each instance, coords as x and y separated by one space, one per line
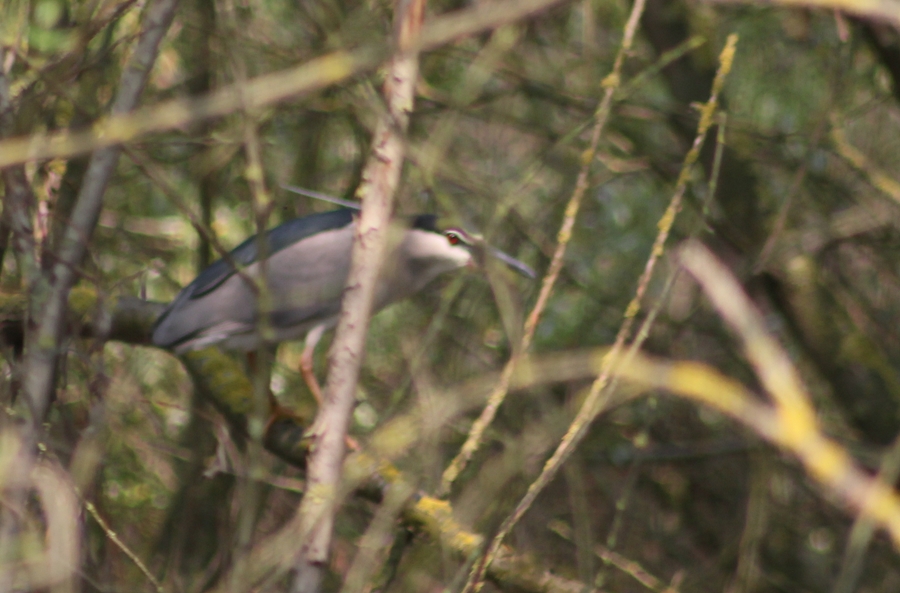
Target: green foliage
495 144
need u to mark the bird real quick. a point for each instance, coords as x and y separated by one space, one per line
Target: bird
306 264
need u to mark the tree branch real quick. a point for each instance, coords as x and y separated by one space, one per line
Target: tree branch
264 90
18 201
368 472
380 179
49 296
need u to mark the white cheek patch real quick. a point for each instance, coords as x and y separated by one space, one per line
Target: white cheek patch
434 253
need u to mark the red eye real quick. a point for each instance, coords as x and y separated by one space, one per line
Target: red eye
453 238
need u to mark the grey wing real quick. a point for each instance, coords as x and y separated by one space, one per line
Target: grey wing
196 322
305 283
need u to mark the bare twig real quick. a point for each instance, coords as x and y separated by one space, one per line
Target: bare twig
611 83
372 548
250 489
626 565
634 569
885 10
784 210
380 179
863 529
116 540
747 575
595 400
157 175
18 201
644 330
49 297
263 90
794 424
854 156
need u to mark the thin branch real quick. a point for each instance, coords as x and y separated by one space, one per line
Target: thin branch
380 179
794 425
114 538
884 10
863 529
878 178
18 201
370 471
158 176
249 492
778 227
633 569
611 83
264 90
49 298
748 573
601 387
371 548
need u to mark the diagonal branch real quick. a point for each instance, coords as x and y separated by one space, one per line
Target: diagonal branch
601 388
264 90
18 200
369 472
50 293
380 179
601 116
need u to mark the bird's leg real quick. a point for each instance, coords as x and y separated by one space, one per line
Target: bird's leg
306 363
309 375
277 412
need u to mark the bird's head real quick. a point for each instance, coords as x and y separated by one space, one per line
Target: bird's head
437 251
480 253
430 251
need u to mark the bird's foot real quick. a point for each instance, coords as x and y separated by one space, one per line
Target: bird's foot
309 376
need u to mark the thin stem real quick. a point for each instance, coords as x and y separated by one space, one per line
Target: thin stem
380 179
602 386
476 434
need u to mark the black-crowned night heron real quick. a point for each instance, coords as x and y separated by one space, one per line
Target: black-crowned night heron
308 260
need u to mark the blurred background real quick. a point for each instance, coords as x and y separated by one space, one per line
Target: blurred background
802 207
